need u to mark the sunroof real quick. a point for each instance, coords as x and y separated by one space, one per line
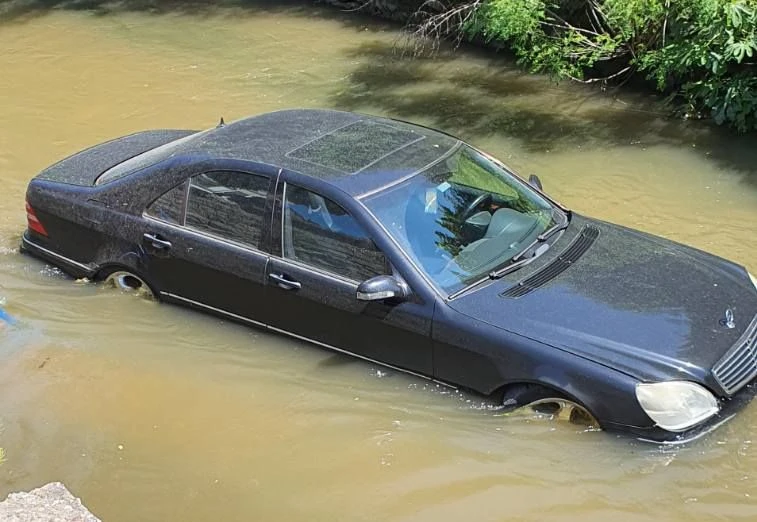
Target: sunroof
356 146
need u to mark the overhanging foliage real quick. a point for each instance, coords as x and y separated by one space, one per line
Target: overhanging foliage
702 51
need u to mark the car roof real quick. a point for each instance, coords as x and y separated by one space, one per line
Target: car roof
357 153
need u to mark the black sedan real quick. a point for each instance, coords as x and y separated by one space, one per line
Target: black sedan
407 247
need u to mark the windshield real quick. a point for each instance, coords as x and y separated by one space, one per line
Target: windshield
462 217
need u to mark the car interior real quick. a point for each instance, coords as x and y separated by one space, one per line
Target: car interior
459 226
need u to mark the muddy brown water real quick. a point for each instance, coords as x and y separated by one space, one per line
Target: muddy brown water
151 412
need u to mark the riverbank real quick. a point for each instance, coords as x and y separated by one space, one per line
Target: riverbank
395 11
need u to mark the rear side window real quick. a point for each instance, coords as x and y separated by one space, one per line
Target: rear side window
320 233
229 205
170 206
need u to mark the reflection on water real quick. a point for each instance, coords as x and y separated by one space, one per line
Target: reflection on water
152 412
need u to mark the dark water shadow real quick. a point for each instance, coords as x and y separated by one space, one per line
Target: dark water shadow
491 99
17 11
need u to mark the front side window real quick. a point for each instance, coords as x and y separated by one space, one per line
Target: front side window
228 205
320 233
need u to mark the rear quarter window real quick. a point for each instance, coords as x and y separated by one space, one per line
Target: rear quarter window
170 206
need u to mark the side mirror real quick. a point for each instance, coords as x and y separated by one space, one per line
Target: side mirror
535 182
381 287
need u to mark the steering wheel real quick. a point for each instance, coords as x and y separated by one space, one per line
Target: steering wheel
477 202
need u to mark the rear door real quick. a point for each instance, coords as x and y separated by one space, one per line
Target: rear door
207 239
322 253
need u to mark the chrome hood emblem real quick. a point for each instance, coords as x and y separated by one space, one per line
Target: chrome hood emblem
728 320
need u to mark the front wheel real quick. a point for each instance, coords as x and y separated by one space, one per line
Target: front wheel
543 402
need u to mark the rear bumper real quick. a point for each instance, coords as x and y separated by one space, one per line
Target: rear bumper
68 265
729 408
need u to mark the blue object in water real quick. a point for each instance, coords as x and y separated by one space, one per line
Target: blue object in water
5 317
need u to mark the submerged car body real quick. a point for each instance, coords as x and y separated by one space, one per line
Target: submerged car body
407 247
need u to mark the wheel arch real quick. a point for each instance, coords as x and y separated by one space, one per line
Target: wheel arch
109 268
510 388
608 395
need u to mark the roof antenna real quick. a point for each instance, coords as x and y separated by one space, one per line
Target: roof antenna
221 123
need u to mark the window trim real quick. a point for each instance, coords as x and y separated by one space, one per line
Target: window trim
318 271
185 204
205 235
283 214
388 267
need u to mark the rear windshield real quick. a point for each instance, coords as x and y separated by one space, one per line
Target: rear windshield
140 161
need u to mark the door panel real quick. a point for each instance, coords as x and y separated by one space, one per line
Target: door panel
206 270
312 284
325 309
204 241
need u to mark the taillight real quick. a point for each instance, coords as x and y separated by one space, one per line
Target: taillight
33 221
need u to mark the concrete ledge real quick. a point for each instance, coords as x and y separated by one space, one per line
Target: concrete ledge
51 502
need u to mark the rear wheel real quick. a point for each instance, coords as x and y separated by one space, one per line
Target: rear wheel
543 402
129 282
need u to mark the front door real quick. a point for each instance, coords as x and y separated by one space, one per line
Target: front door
206 252
312 285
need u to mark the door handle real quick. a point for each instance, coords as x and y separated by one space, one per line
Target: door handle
155 241
283 282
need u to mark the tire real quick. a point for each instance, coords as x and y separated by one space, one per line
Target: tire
546 402
128 282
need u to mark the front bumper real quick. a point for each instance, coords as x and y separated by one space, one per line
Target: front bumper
728 409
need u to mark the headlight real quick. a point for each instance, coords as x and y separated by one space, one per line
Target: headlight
754 279
676 405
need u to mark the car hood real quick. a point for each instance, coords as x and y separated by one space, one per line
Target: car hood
646 306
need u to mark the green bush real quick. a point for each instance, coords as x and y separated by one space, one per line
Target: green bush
704 51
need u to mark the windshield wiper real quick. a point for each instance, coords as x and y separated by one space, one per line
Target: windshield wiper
511 267
562 225
495 274
541 238
518 260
